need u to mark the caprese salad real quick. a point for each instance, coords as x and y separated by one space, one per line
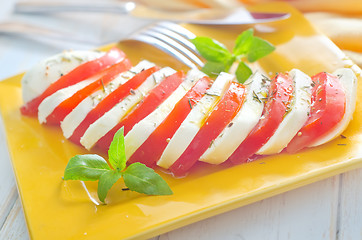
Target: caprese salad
172 119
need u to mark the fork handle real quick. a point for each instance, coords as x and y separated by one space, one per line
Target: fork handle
68 6
37 32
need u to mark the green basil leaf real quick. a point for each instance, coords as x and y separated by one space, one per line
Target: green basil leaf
213 68
258 49
211 49
116 152
243 72
142 179
106 181
243 42
88 167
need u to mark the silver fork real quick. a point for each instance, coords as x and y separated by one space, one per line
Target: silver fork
167 36
172 39
36 32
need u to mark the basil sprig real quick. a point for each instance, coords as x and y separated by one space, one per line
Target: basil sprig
219 59
137 176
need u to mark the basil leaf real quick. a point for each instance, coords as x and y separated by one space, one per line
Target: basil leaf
243 42
243 72
211 49
258 49
88 167
213 68
106 181
142 179
116 152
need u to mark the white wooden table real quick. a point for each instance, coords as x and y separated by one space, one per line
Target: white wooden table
329 209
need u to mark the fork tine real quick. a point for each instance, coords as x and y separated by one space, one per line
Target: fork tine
180 34
176 45
177 37
163 47
177 29
172 39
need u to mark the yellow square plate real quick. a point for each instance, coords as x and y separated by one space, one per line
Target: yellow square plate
55 209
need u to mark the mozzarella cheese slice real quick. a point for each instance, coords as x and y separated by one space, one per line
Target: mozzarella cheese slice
143 129
349 83
48 105
194 120
77 115
111 118
37 79
295 118
242 124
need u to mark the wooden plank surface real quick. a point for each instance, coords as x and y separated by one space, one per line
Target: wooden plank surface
14 226
349 219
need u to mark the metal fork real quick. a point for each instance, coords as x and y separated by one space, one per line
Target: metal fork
36 32
167 36
172 39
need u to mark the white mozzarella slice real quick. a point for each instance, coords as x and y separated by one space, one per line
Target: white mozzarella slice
48 105
77 115
193 122
111 118
37 79
295 118
245 120
349 83
143 129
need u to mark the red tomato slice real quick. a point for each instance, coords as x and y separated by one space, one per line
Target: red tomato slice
150 151
280 95
64 108
327 109
108 102
145 107
219 118
80 73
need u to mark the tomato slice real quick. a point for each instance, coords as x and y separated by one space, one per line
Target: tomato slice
110 101
327 109
280 96
64 108
80 73
219 118
150 151
144 108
